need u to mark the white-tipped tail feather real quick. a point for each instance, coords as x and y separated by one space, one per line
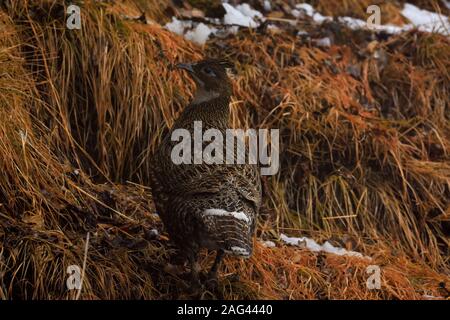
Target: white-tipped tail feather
219 212
238 251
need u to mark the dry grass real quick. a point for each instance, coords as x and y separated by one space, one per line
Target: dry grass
355 146
364 155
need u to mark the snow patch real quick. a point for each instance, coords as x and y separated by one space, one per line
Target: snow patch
237 17
200 33
246 10
177 26
309 10
425 20
268 244
312 245
244 15
446 3
241 15
296 13
324 42
356 24
219 212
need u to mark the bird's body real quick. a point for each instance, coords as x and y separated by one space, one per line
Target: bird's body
211 206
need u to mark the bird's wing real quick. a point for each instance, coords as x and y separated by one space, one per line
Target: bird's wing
188 179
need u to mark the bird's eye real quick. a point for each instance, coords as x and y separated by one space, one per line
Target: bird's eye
209 71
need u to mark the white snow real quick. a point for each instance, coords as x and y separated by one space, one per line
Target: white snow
200 33
446 3
328 247
241 15
418 16
312 245
425 20
177 26
303 241
268 244
272 27
246 10
244 15
309 10
354 23
236 17
219 212
324 42
296 13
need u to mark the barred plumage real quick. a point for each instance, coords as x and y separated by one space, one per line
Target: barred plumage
211 206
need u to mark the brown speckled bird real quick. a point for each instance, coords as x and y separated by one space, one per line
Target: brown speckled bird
211 206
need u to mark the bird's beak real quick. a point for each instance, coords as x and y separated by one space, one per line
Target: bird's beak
186 66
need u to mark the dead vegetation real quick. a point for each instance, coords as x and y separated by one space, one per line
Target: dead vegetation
365 135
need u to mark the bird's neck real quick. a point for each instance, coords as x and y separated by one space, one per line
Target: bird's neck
214 112
203 96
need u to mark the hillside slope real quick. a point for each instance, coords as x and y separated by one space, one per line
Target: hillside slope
365 165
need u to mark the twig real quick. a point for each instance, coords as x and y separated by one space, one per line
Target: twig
340 217
84 266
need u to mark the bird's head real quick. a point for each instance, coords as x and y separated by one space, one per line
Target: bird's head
210 77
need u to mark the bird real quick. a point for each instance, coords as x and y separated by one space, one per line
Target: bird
212 206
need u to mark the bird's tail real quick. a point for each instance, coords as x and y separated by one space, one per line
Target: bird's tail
230 231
